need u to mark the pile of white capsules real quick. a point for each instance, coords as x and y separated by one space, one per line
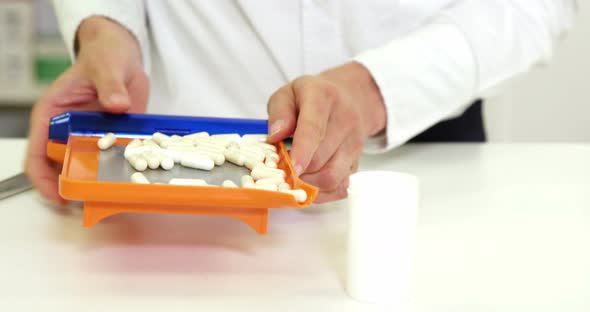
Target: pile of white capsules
203 151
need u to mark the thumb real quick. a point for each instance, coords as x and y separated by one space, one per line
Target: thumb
282 114
112 93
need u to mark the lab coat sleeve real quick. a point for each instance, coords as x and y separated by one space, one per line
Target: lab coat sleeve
468 49
129 13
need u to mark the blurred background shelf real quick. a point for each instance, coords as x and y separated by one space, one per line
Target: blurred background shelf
21 97
32 55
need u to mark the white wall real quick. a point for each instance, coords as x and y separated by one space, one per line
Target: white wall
551 103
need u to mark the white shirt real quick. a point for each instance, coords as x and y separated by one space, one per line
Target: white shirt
430 58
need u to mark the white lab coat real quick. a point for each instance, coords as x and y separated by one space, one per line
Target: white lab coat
430 58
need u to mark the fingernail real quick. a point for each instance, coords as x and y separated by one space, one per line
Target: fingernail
276 127
117 98
298 169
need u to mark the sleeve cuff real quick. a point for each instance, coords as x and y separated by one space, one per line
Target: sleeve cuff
423 77
129 13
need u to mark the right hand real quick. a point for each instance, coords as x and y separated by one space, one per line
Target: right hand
108 76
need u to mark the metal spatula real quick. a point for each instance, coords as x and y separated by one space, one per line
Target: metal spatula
14 185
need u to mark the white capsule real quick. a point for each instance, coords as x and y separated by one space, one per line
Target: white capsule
220 143
176 143
211 146
159 137
136 150
266 187
299 194
198 135
233 145
253 154
187 140
166 163
250 163
226 136
196 161
246 181
218 158
248 154
209 150
175 155
107 141
229 183
134 143
284 186
195 152
258 145
270 164
274 181
182 149
270 155
265 146
260 171
139 178
153 160
175 137
138 162
253 149
234 156
278 171
150 143
254 137
224 139
188 182
204 139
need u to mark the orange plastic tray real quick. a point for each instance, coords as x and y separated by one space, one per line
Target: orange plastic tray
78 181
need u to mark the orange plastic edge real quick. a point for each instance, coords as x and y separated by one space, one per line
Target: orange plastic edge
102 199
56 151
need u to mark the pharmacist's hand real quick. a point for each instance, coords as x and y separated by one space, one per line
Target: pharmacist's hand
329 116
107 76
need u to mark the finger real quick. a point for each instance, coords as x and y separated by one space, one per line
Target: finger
282 114
112 92
139 87
341 125
342 164
315 105
42 173
69 89
340 192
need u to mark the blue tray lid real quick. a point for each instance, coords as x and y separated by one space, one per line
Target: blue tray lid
142 125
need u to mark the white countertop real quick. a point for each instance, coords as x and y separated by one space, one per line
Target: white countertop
501 228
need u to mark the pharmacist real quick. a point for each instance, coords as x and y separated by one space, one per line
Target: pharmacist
339 76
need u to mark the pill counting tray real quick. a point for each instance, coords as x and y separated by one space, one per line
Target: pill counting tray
101 178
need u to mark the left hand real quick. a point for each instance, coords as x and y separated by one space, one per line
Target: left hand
329 115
